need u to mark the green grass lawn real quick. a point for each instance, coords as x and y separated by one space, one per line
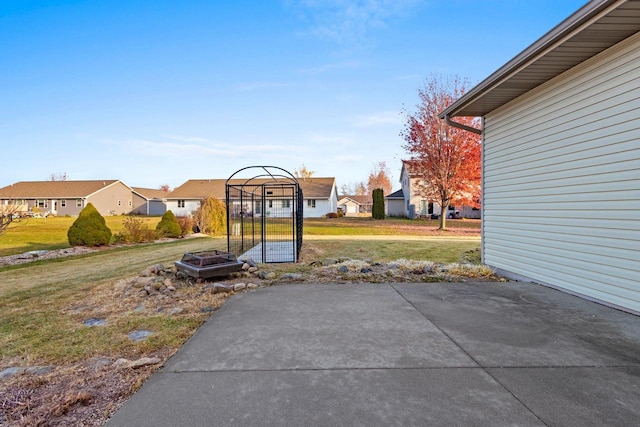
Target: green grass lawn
34 234
51 233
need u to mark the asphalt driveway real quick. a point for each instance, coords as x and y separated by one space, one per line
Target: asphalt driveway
450 354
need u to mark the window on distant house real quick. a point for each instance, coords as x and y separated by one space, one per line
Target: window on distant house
311 203
130 203
181 203
270 203
63 203
78 203
285 203
258 208
119 202
41 203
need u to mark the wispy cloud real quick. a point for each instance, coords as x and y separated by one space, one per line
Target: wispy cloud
378 119
331 67
350 21
189 147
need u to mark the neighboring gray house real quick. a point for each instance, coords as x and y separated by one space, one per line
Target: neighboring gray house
561 157
109 197
149 201
395 204
320 196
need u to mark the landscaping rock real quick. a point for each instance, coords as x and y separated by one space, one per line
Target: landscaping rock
252 286
253 269
343 269
143 281
250 261
220 288
239 286
366 270
329 261
14 370
246 266
207 309
143 362
175 310
344 259
427 269
94 322
291 276
139 335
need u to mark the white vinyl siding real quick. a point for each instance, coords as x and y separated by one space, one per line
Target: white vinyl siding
561 180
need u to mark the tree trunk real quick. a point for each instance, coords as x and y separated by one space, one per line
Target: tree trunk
443 217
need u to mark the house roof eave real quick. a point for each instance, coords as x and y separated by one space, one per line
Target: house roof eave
595 27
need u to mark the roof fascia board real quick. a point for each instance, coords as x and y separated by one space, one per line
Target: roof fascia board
575 23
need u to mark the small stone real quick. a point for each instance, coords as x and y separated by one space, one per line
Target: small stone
239 286
427 269
139 335
167 282
94 322
366 270
270 276
220 288
171 289
343 269
175 310
253 269
394 266
251 262
207 309
141 282
143 362
329 261
246 266
262 274
291 276
344 259
252 286
121 362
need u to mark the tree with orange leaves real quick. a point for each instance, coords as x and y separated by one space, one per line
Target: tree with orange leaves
446 159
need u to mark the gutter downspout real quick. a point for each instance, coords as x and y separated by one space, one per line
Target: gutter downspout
480 132
450 122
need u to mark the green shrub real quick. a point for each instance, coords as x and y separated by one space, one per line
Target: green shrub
89 229
168 225
378 204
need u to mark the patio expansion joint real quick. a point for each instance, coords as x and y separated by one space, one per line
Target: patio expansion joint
470 356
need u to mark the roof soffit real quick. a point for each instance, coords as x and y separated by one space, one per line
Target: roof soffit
597 26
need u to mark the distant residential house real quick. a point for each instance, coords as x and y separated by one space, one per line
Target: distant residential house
320 197
395 204
109 197
417 205
561 156
149 201
349 206
354 204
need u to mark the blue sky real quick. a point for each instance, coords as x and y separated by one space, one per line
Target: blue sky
159 92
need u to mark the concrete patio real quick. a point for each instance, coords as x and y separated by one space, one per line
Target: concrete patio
454 354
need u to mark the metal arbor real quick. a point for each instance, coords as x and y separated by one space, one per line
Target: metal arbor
264 214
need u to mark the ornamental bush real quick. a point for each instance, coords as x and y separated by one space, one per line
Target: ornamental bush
89 229
169 226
